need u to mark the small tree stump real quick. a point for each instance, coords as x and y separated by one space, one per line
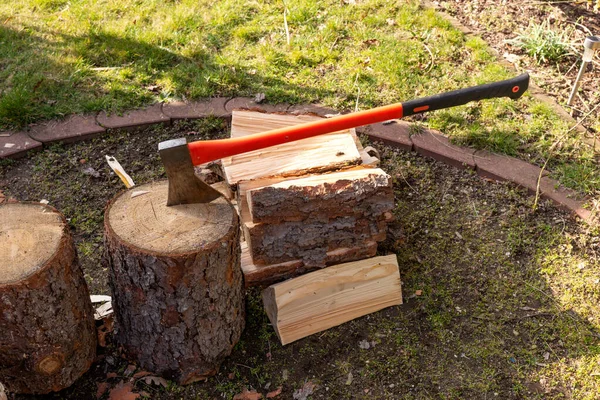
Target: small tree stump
47 330
176 281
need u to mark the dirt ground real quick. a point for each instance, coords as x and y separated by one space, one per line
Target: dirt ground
499 22
500 300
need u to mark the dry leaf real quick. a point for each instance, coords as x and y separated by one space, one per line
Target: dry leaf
130 370
141 374
102 388
123 392
3 395
274 393
111 375
248 395
155 380
305 391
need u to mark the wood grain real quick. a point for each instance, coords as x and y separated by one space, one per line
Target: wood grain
318 154
329 297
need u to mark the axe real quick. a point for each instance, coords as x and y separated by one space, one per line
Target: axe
179 157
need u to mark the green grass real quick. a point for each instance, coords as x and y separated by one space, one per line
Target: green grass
545 44
61 57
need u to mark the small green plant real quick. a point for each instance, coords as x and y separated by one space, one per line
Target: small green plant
544 44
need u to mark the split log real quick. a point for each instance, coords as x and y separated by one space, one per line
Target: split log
264 275
329 297
313 155
47 329
176 281
365 192
310 241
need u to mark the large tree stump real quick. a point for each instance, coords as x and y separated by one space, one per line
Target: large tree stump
176 281
47 330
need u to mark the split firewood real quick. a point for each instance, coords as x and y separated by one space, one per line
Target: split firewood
264 275
329 297
47 330
366 192
313 155
176 282
310 241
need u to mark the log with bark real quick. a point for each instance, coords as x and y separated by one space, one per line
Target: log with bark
176 281
47 329
264 275
311 241
363 192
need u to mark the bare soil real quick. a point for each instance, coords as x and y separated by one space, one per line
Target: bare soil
497 22
484 314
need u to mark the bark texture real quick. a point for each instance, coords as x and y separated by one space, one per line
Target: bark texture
178 315
354 193
47 329
311 241
264 275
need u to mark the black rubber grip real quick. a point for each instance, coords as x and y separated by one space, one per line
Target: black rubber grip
513 88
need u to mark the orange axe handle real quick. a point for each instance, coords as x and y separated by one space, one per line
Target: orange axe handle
209 150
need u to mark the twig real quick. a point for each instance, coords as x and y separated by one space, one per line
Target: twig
358 94
583 101
537 188
573 127
285 24
432 58
403 178
334 43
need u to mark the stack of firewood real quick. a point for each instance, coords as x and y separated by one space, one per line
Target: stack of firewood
307 205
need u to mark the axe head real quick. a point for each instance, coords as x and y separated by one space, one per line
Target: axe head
184 186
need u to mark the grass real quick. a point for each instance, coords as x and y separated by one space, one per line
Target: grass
544 44
61 57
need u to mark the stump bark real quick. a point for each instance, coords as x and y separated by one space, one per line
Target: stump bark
47 330
176 281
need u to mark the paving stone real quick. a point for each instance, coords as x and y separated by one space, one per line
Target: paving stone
316 109
505 168
196 109
564 198
238 103
71 129
17 145
395 134
134 119
437 146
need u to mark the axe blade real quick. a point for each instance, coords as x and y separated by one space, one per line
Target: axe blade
184 186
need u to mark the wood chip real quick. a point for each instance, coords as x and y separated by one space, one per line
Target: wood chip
138 193
99 298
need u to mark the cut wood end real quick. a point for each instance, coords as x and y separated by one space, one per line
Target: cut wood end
29 236
146 221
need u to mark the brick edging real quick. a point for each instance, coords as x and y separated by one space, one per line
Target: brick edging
398 134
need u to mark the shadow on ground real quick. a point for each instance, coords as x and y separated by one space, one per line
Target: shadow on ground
500 301
115 73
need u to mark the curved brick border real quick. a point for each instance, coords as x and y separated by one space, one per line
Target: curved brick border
398 134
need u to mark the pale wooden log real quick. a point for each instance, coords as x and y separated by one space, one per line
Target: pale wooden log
176 281
263 275
47 329
313 155
329 297
360 192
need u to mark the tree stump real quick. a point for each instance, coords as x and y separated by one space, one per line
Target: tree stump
47 330
176 281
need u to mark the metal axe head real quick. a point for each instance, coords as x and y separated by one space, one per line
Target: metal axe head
184 186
